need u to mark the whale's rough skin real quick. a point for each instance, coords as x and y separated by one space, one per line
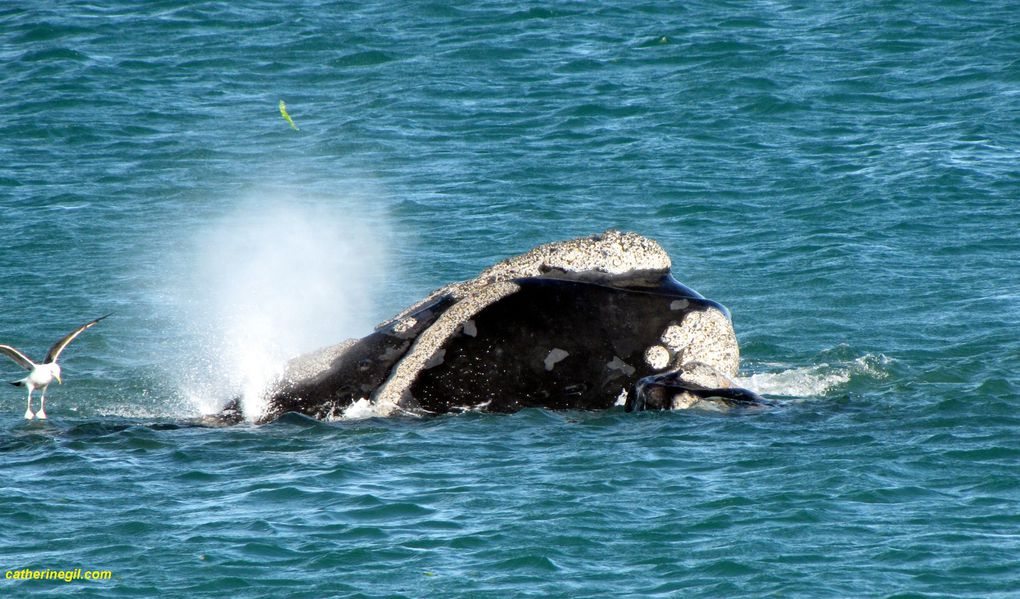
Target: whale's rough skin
570 324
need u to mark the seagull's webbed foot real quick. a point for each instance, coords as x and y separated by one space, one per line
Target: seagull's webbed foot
28 414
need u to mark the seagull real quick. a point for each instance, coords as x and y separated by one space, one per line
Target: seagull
41 375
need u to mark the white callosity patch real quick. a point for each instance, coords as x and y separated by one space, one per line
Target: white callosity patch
619 365
706 376
677 337
699 375
704 336
684 400
657 357
555 355
611 253
679 304
404 326
469 328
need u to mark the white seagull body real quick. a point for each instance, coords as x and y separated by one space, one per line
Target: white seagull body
41 375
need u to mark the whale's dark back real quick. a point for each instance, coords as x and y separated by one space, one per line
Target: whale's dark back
553 344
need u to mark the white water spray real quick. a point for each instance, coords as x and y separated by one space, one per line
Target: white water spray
267 281
812 381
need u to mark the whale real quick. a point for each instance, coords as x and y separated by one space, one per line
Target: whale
591 323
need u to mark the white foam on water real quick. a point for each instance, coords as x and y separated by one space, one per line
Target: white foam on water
812 381
360 410
273 277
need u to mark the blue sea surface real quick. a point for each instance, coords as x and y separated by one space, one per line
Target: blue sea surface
843 176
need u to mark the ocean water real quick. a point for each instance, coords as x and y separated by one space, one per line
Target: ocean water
844 176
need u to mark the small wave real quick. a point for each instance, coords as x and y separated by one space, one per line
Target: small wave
70 207
814 381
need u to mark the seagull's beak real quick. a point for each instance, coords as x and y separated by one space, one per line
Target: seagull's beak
58 379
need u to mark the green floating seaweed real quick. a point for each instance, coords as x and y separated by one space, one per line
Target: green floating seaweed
283 113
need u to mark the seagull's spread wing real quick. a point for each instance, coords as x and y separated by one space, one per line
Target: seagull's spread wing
17 356
59 346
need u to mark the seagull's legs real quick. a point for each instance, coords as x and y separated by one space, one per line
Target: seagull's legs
41 414
28 410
